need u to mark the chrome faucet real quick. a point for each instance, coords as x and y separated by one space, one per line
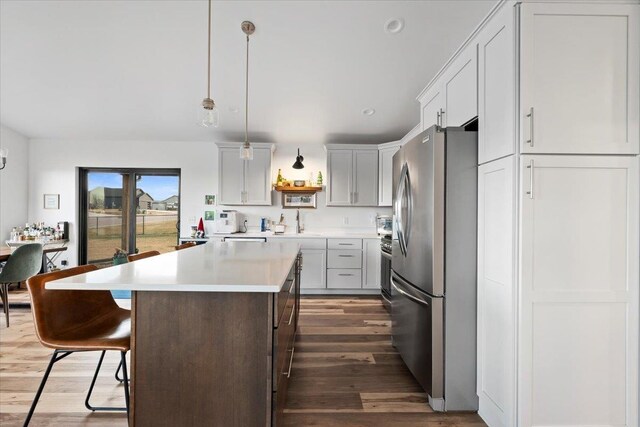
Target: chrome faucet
299 228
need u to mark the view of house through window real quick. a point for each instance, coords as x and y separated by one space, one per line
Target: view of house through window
132 210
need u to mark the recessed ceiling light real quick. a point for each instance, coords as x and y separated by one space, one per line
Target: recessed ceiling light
394 25
368 111
233 109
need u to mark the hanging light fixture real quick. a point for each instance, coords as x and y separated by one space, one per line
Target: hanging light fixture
246 151
208 115
299 159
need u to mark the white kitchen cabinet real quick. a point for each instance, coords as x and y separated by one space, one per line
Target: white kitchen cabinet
352 175
230 176
258 178
496 88
339 177
314 269
460 85
578 331
344 258
344 278
244 182
496 292
365 174
385 172
371 264
579 78
432 106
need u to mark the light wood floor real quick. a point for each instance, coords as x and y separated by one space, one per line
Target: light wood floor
345 373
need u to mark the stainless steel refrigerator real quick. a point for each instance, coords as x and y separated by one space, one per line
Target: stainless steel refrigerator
434 264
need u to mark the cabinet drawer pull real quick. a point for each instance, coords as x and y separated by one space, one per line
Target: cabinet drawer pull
530 117
292 312
345 244
344 274
288 371
345 256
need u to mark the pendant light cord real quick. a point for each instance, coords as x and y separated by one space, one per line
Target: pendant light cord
209 55
246 98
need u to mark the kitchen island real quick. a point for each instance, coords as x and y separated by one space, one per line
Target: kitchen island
213 331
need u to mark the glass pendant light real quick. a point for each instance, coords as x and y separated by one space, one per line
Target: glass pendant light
246 151
208 115
299 159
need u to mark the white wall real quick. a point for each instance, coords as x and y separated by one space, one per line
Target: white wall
13 182
53 169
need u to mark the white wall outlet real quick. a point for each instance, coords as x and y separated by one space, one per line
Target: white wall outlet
345 220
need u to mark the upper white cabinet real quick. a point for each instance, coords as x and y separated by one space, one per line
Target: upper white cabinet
579 257
244 182
431 107
352 175
385 170
461 89
496 88
452 99
579 76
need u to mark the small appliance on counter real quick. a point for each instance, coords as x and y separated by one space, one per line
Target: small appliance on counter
384 225
227 222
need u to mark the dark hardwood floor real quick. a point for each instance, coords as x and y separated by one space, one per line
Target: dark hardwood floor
346 373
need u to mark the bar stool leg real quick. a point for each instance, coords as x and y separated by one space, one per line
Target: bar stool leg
125 378
54 359
93 383
117 372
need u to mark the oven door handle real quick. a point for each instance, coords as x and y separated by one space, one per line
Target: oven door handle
406 294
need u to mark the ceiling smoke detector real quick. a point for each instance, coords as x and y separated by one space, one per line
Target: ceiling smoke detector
368 111
394 25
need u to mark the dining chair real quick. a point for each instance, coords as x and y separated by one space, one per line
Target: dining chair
70 321
142 255
185 246
23 263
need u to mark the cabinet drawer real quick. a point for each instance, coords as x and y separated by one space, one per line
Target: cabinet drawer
344 244
280 300
344 278
344 259
283 338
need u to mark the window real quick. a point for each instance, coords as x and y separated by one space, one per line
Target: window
135 210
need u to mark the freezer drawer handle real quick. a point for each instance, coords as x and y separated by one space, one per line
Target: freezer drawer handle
411 297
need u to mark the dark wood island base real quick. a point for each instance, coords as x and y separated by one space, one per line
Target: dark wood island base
212 358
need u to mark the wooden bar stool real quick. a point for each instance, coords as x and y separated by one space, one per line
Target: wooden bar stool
185 246
69 321
142 255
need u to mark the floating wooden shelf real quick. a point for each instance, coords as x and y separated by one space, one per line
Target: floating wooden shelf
292 189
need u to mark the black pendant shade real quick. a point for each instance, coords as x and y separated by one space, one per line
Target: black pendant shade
299 159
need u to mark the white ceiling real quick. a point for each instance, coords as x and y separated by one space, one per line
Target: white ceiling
136 70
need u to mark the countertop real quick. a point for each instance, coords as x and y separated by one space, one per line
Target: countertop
214 267
323 234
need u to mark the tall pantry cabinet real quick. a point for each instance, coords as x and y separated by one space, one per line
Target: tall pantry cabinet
558 197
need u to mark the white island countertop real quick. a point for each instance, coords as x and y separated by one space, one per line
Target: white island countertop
214 267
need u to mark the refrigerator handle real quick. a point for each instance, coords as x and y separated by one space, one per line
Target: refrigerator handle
406 230
407 294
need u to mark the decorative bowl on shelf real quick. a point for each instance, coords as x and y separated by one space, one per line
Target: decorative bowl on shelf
298 183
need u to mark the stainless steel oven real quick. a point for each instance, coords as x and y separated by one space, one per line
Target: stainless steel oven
385 273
